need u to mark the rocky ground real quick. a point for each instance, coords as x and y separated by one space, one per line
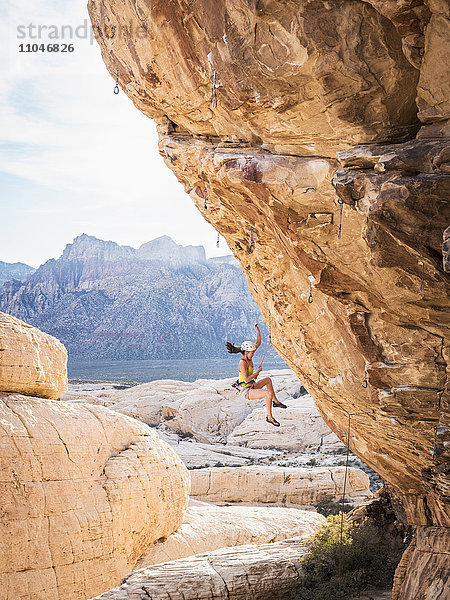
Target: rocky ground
209 425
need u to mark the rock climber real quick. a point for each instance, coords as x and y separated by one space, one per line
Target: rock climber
247 384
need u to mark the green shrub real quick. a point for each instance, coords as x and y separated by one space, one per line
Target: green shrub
327 506
334 568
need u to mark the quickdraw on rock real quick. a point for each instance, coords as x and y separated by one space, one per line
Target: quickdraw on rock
310 297
252 243
218 240
116 87
214 81
319 387
289 221
205 199
341 206
214 97
364 381
422 279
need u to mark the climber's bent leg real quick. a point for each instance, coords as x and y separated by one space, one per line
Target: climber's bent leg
256 393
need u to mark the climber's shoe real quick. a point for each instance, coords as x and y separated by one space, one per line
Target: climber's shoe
273 422
279 405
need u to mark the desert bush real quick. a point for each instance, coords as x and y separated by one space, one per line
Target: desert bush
333 567
327 506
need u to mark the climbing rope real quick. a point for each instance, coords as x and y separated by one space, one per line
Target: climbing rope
116 87
341 206
270 341
344 489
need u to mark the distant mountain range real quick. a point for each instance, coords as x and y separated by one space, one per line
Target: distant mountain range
162 300
14 271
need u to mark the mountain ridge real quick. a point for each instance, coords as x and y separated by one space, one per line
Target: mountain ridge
161 300
17 270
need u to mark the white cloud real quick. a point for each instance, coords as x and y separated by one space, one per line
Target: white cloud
63 129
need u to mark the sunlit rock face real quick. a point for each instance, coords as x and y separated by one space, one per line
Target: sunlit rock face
84 493
31 362
296 77
303 155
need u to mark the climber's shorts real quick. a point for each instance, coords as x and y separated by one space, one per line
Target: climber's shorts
245 390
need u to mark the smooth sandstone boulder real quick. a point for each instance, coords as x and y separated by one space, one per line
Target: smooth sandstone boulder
259 572
31 362
208 410
207 527
83 493
302 430
195 454
279 485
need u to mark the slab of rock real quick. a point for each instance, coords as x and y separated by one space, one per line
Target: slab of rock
195 454
433 92
206 409
302 429
31 362
84 492
207 527
423 571
278 485
259 572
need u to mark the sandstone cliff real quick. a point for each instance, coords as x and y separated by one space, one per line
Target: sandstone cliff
275 485
84 493
31 362
260 105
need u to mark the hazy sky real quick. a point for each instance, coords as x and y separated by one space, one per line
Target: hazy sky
74 157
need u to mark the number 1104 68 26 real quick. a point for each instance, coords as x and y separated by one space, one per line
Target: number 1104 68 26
46 48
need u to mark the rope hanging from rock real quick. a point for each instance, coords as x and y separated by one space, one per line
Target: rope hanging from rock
218 240
214 80
270 341
344 489
341 206
116 87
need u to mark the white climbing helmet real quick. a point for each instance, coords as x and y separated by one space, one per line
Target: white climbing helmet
248 346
